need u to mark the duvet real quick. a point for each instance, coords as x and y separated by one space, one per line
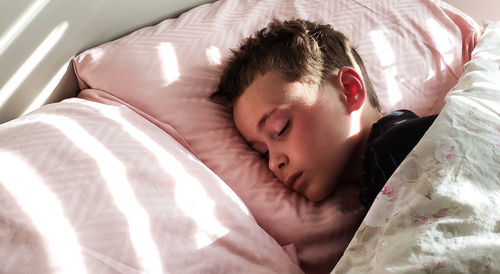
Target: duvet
93 188
439 212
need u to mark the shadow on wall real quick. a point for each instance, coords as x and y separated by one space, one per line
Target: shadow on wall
38 39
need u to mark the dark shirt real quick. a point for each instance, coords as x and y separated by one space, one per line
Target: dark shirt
389 142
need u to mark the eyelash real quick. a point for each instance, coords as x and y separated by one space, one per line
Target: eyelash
265 155
284 129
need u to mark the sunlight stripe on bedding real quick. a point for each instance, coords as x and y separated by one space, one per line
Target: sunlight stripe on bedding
45 210
114 173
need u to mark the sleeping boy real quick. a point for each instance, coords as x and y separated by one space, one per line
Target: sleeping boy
301 96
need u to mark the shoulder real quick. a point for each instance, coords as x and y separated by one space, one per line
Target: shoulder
389 142
389 120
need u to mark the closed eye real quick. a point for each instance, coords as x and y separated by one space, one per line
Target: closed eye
265 155
284 129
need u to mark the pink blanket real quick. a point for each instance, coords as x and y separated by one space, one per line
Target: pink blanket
91 188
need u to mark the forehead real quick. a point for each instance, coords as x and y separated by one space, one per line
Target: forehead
266 86
272 88
253 103
267 92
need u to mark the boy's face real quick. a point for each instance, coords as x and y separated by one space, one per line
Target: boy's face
303 129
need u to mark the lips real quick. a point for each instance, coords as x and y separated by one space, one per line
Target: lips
294 181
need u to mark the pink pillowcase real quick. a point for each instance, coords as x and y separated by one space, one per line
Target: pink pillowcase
413 50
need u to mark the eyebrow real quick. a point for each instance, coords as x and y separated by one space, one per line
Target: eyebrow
261 124
264 118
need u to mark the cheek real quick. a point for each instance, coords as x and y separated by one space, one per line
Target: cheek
307 139
314 125
318 135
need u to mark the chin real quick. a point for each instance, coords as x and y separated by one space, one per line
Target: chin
319 194
316 197
316 200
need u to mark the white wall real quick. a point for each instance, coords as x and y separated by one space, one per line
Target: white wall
38 38
478 9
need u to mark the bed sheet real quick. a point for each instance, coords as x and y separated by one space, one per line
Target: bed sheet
438 213
414 51
93 188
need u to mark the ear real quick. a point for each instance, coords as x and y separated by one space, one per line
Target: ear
353 87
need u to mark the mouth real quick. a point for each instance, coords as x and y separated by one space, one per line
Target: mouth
295 181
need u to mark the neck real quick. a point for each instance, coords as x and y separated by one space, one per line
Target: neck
354 169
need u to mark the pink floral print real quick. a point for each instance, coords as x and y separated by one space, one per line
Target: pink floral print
446 151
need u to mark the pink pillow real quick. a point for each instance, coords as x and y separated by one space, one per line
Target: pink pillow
413 50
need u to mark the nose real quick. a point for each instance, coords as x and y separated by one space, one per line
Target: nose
277 162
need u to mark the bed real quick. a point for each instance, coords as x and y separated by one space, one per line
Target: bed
142 173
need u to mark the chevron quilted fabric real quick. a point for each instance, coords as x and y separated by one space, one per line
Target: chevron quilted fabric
413 50
91 188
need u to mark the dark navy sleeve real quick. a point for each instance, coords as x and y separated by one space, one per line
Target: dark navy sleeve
391 140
